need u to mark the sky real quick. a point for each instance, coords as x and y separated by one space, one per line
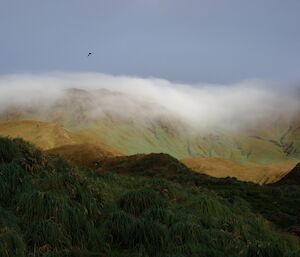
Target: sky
186 41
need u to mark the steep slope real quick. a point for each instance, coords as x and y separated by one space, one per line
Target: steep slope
47 135
153 165
122 123
291 178
220 168
83 155
51 208
133 126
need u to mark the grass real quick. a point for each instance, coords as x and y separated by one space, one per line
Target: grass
11 243
136 202
49 208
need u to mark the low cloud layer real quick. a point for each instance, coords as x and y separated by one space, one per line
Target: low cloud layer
201 106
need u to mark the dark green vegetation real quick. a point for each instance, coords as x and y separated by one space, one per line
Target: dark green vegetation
49 208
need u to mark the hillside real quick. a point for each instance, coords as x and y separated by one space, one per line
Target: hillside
49 208
85 125
83 155
87 155
221 168
152 165
133 126
47 135
292 178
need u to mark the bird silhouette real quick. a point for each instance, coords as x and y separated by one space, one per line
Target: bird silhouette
89 54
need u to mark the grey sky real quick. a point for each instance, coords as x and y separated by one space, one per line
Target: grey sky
181 40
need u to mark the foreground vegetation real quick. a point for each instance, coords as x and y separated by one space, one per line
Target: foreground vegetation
48 208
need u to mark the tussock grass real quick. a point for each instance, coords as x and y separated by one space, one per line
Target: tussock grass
136 233
9 150
49 208
43 233
11 243
37 205
150 235
81 230
184 232
8 219
137 201
118 228
269 249
209 206
160 215
13 180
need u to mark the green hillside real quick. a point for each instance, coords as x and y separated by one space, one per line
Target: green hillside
132 126
50 208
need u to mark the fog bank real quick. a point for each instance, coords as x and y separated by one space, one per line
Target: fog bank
201 106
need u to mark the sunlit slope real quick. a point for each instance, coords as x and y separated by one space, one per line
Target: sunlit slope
83 155
221 168
47 135
135 138
132 126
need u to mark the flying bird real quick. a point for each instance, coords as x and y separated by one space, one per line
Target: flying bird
89 54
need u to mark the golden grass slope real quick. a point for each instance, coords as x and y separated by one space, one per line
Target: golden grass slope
46 135
84 155
252 172
85 149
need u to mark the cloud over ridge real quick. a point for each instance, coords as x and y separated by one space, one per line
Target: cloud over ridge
202 106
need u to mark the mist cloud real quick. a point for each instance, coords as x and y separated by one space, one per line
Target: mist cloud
200 106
